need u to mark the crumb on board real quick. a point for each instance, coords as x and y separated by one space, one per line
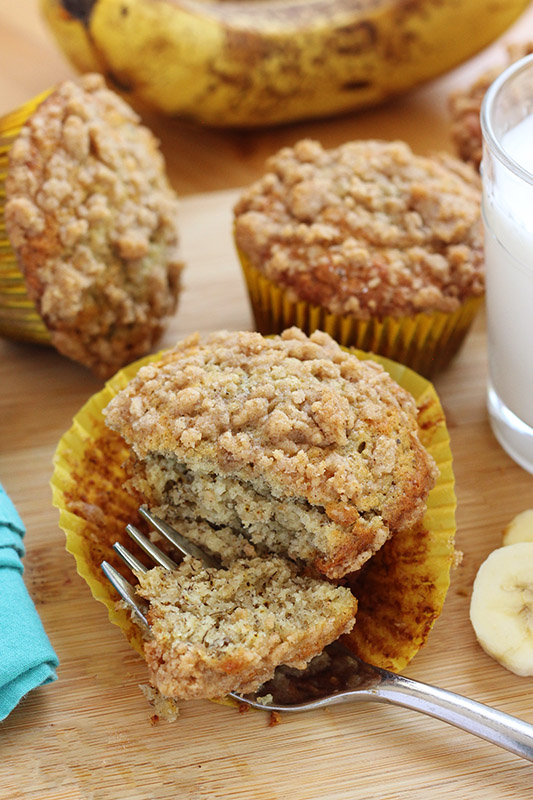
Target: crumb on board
165 708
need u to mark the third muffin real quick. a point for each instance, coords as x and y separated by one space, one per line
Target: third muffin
378 246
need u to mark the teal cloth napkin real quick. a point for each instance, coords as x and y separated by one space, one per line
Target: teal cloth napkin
27 659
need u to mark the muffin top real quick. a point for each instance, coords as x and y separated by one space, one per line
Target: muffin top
295 414
366 229
92 219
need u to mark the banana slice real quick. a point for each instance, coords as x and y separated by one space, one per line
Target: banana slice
501 609
520 529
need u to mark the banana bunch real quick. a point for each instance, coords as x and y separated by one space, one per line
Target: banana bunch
501 609
261 62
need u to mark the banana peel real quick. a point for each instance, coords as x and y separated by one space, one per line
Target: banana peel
261 62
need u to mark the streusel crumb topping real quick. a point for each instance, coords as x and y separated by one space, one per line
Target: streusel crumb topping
92 218
299 414
366 229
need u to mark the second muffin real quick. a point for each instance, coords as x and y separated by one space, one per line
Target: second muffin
91 222
378 246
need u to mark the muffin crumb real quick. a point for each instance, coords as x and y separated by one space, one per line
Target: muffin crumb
165 708
216 631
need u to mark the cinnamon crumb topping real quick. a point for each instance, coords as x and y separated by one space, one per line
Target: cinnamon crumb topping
365 229
290 440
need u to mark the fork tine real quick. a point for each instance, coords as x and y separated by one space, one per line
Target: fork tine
133 563
127 592
123 587
185 547
151 549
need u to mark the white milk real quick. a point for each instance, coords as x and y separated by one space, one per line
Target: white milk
508 211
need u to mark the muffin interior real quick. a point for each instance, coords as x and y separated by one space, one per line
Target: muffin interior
285 525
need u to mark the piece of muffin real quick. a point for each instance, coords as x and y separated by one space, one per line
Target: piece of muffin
465 106
91 218
223 543
290 441
216 631
380 247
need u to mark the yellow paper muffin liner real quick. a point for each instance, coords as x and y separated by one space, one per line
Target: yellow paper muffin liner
401 590
426 342
19 318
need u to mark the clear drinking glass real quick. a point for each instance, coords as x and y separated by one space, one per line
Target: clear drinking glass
507 176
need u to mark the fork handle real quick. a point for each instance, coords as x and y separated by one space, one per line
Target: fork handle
495 726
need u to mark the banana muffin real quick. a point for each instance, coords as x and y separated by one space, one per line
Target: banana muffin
91 218
290 441
465 106
360 240
216 631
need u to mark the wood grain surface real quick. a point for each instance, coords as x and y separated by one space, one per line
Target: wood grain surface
89 736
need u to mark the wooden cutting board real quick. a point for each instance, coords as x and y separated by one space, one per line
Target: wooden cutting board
90 736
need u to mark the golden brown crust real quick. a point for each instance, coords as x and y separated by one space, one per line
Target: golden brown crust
92 219
465 107
367 229
292 431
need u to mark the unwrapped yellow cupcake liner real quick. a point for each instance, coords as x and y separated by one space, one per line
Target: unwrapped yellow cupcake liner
19 318
426 342
401 590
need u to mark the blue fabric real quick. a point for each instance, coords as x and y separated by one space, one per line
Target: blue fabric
27 659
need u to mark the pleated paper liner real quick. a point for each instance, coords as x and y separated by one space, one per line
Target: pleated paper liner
426 342
19 318
401 590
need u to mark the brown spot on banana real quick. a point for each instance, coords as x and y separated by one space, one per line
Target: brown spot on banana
258 62
79 9
356 38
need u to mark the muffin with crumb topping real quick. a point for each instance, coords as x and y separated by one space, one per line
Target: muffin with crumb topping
91 227
376 245
291 442
290 459
465 106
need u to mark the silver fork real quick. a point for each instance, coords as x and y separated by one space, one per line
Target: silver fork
336 676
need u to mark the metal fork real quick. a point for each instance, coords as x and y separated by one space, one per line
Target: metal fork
336 676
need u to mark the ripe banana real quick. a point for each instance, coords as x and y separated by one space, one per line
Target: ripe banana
520 529
259 62
501 609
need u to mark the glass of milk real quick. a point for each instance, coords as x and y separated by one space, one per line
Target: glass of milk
507 175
